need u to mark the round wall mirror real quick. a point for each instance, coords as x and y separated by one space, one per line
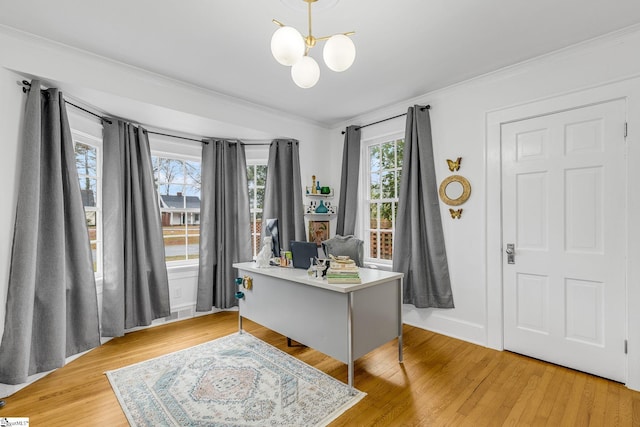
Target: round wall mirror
455 190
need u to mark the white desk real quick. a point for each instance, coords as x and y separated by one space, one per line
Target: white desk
344 321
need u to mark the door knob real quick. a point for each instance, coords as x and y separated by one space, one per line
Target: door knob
511 253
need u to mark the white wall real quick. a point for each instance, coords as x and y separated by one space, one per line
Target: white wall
459 120
11 108
154 101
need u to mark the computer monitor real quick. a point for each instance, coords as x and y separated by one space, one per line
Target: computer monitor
271 229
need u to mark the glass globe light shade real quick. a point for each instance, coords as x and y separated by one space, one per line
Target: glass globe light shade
287 45
339 52
306 72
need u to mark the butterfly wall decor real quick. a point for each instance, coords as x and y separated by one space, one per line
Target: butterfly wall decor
454 166
455 213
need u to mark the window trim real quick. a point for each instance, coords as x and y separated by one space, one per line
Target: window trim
92 141
174 155
253 163
364 196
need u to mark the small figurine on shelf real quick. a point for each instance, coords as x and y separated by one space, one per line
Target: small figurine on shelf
264 256
312 207
329 208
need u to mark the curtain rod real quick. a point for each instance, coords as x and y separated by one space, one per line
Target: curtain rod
426 107
24 90
27 83
176 136
87 111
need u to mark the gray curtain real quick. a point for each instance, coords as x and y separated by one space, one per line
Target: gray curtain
52 309
283 191
225 233
135 284
418 247
348 202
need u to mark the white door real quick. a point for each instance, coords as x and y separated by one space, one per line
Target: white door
563 208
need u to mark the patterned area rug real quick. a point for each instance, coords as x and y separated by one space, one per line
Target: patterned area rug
237 380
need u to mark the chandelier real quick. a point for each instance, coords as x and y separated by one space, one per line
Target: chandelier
291 48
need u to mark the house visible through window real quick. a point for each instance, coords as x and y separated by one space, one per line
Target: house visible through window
178 185
383 171
89 167
256 176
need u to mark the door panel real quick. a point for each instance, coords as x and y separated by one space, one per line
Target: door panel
563 183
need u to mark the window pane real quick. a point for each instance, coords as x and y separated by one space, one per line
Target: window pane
386 244
373 244
261 174
94 256
375 186
86 159
255 234
385 172
252 201
374 158
386 215
92 220
87 167
388 155
193 246
260 198
389 185
171 189
251 176
89 191
169 170
155 161
193 174
399 152
160 165
191 197
179 183
373 216
175 238
256 175
258 223
175 170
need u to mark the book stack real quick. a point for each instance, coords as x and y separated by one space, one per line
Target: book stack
343 270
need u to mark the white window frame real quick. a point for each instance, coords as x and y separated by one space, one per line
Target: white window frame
364 193
189 158
254 211
95 142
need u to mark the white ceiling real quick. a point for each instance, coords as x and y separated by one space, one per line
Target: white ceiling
405 48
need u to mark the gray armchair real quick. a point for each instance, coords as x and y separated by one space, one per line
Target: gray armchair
350 246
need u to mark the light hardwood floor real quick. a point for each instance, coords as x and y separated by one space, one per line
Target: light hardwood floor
443 381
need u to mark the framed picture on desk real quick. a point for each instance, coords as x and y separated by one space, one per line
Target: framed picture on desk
318 231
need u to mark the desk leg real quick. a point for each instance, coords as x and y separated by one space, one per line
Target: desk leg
400 341
239 322
350 339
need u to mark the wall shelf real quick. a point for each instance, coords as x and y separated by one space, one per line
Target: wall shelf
320 196
320 216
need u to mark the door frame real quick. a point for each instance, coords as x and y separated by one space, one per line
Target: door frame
627 90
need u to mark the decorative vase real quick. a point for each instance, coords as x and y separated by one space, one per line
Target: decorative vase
321 208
